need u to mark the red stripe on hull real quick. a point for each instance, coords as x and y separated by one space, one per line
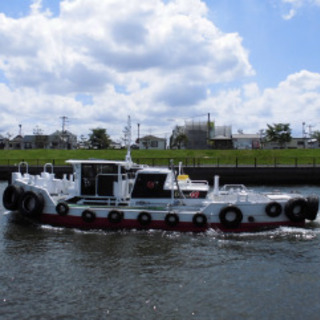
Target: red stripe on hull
104 224
254 227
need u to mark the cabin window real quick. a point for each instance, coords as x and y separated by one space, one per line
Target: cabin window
150 186
105 184
88 179
101 174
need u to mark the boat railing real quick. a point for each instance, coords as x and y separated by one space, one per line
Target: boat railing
234 188
25 164
47 165
199 182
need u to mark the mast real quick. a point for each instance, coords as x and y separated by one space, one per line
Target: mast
128 156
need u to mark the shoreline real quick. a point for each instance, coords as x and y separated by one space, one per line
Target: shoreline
284 175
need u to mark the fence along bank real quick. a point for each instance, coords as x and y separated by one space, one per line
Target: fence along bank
251 175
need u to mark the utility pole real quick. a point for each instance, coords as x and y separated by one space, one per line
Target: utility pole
304 134
64 137
208 129
64 121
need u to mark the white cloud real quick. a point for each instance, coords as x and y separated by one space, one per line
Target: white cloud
137 57
150 59
295 100
295 5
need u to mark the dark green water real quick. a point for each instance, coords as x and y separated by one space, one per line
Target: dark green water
50 273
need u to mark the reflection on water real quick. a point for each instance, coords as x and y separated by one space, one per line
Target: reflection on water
58 273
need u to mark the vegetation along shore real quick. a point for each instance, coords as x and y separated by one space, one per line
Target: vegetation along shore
285 157
255 167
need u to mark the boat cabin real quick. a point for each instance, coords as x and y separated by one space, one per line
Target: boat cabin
158 185
110 181
151 183
103 182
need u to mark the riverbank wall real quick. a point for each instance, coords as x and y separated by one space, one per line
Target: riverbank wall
258 175
228 175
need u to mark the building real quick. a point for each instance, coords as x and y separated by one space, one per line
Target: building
205 135
3 142
295 143
197 135
222 138
62 140
57 140
16 143
152 143
246 141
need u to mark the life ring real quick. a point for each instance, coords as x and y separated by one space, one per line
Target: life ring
115 216
88 216
144 218
62 208
150 184
194 194
312 207
171 219
199 220
31 204
11 197
273 209
230 217
295 209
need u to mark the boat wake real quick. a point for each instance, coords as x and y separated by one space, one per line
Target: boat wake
310 232
280 233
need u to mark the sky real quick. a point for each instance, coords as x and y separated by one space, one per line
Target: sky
246 63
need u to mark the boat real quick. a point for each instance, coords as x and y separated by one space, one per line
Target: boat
117 195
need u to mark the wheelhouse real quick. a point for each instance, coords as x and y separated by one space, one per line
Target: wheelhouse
103 181
161 186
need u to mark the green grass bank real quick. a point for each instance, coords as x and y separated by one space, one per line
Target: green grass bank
285 157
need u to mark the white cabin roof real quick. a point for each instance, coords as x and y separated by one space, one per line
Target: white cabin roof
97 161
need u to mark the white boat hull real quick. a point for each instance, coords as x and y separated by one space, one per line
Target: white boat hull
148 203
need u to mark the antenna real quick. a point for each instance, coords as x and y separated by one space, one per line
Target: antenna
128 156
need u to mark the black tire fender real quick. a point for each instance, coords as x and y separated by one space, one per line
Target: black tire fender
171 219
226 221
115 216
62 208
88 216
31 204
273 209
144 218
312 207
199 220
295 209
11 197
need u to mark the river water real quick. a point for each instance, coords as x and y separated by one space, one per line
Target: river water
56 273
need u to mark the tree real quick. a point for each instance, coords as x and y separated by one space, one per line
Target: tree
41 140
279 132
99 138
314 138
178 138
315 135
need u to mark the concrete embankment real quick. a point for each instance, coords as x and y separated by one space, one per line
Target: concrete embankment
244 175
258 175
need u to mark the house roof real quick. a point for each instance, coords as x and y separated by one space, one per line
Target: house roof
59 133
221 138
245 136
151 137
17 138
